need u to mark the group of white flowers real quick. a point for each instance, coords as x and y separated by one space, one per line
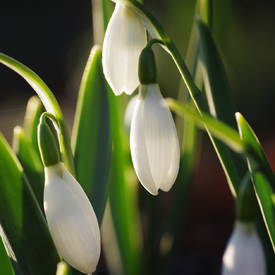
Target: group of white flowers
155 155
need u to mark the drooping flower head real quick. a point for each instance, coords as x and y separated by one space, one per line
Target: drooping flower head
70 216
244 253
124 40
153 137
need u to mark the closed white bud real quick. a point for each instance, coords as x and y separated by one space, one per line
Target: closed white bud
124 40
71 219
244 253
154 141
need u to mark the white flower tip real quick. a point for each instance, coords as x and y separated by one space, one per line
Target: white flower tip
71 219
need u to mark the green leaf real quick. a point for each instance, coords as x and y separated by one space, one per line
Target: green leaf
259 160
30 162
217 128
23 228
91 133
265 197
123 195
5 265
262 177
33 112
48 101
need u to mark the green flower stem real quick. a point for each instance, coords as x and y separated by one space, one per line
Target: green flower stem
50 103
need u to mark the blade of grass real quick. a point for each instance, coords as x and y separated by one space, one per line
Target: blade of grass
23 228
5 266
33 112
30 162
91 134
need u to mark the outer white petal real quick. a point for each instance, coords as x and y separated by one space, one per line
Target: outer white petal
124 40
154 142
71 219
244 254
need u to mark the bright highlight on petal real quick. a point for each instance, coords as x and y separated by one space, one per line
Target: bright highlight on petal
154 142
71 219
124 40
244 254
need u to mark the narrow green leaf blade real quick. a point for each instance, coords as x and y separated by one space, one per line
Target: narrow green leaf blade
33 112
5 264
264 196
30 162
218 129
91 140
260 160
123 196
23 228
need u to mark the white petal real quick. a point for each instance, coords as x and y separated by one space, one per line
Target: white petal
124 40
71 219
154 142
244 253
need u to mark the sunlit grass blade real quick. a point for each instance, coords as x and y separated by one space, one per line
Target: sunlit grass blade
217 89
30 162
23 228
263 179
123 196
5 264
33 112
91 140
48 101
265 197
218 129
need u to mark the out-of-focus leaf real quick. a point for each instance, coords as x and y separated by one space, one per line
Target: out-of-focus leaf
91 133
33 112
217 89
5 264
50 104
30 162
123 197
23 228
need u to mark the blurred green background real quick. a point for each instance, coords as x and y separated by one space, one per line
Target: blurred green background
54 38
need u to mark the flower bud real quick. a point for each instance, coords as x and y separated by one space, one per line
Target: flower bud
124 40
244 253
154 141
71 219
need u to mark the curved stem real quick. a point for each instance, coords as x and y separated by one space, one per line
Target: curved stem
50 103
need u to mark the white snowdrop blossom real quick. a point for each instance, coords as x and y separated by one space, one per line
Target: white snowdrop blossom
244 253
124 40
154 141
71 219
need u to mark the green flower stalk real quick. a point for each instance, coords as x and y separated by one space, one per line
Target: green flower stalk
69 213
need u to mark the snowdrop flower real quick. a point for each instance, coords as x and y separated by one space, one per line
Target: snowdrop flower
124 40
244 253
71 219
153 136
153 141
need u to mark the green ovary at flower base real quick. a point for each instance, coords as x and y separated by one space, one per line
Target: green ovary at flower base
124 40
153 137
69 213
